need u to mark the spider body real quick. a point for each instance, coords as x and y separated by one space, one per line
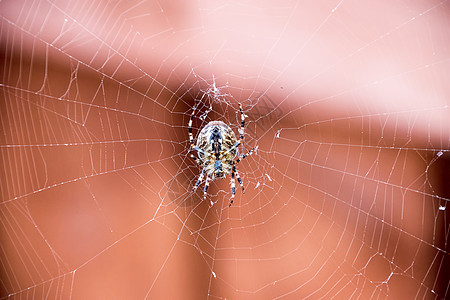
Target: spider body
217 148
216 140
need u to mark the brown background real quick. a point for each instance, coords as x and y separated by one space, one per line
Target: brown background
346 196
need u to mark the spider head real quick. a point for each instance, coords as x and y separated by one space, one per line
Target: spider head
218 171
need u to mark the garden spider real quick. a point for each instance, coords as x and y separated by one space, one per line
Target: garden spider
217 148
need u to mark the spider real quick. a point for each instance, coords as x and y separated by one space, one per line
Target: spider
217 147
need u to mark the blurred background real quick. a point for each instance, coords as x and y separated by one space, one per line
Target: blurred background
346 196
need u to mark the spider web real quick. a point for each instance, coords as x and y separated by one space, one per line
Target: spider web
346 195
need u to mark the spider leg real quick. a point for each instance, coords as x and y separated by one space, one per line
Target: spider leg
197 160
238 178
241 130
205 191
247 154
198 149
233 188
199 181
191 137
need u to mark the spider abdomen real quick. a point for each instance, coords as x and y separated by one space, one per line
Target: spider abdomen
216 141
